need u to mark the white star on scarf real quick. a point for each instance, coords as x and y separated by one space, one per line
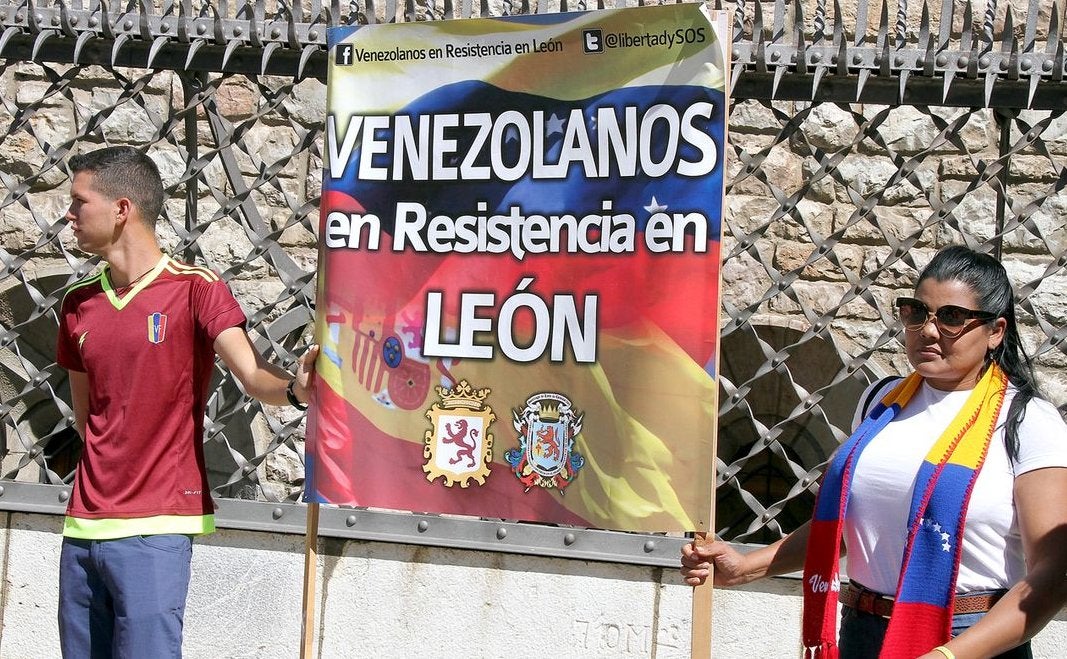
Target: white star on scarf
930 524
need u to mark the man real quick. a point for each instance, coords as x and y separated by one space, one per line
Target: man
139 340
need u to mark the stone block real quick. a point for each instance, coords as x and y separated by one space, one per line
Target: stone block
779 168
1048 299
265 146
297 235
899 223
870 176
1033 168
822 296
1041 229
744 279
33 92
31 577
897 275
20 231
978 132
743 172
975 212
790 256
849 255
21 156
829 127
128 122
51 129
245 596
754 116
784 169
307 104
813 217
748 214
254 294
313 180
223 240
822 187
957 167
909 131
305 257
284 466
1054 133
438 607
236 98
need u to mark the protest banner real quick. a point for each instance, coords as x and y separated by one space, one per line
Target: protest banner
518 300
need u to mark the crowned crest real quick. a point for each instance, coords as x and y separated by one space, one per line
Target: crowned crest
459 446
547 427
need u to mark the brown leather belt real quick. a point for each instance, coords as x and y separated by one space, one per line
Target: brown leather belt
862 599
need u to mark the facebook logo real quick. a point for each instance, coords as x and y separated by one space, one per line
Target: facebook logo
592 41
344 54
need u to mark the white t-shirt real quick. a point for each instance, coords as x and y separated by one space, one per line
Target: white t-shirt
875 529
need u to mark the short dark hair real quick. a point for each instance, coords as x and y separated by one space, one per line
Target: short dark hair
123 171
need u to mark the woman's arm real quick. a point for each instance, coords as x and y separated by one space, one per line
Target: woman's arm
1041 504
732 568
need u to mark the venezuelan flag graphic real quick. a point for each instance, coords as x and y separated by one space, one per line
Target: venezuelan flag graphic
519 268
157 327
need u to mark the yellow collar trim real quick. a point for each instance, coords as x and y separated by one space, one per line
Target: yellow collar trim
120 301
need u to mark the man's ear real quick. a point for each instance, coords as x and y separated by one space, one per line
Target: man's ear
124 207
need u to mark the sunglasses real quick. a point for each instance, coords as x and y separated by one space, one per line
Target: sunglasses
950 319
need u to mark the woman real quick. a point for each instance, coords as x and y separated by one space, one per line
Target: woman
963 447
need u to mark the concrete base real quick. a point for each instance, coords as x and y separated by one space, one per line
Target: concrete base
384 600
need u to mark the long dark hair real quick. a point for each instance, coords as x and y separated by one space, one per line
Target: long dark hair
988 280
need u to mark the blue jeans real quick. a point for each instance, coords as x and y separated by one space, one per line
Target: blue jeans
862 633
123 597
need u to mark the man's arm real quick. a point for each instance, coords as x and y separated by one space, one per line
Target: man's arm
79 399
261 379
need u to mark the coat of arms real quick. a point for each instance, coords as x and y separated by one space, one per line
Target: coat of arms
459 447
547 428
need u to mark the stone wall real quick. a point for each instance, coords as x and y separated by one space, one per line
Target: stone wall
945 167
821 231
386 600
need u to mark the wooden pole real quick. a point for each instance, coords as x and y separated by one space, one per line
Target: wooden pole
700 636
311 562
701 615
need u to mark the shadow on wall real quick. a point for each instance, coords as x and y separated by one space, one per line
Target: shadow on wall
37 443
766 449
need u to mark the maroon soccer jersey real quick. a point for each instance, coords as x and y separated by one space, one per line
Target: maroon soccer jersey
148 352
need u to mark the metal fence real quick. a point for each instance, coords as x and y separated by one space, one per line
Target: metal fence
861 140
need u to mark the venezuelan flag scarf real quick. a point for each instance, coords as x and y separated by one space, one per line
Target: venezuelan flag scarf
926 590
